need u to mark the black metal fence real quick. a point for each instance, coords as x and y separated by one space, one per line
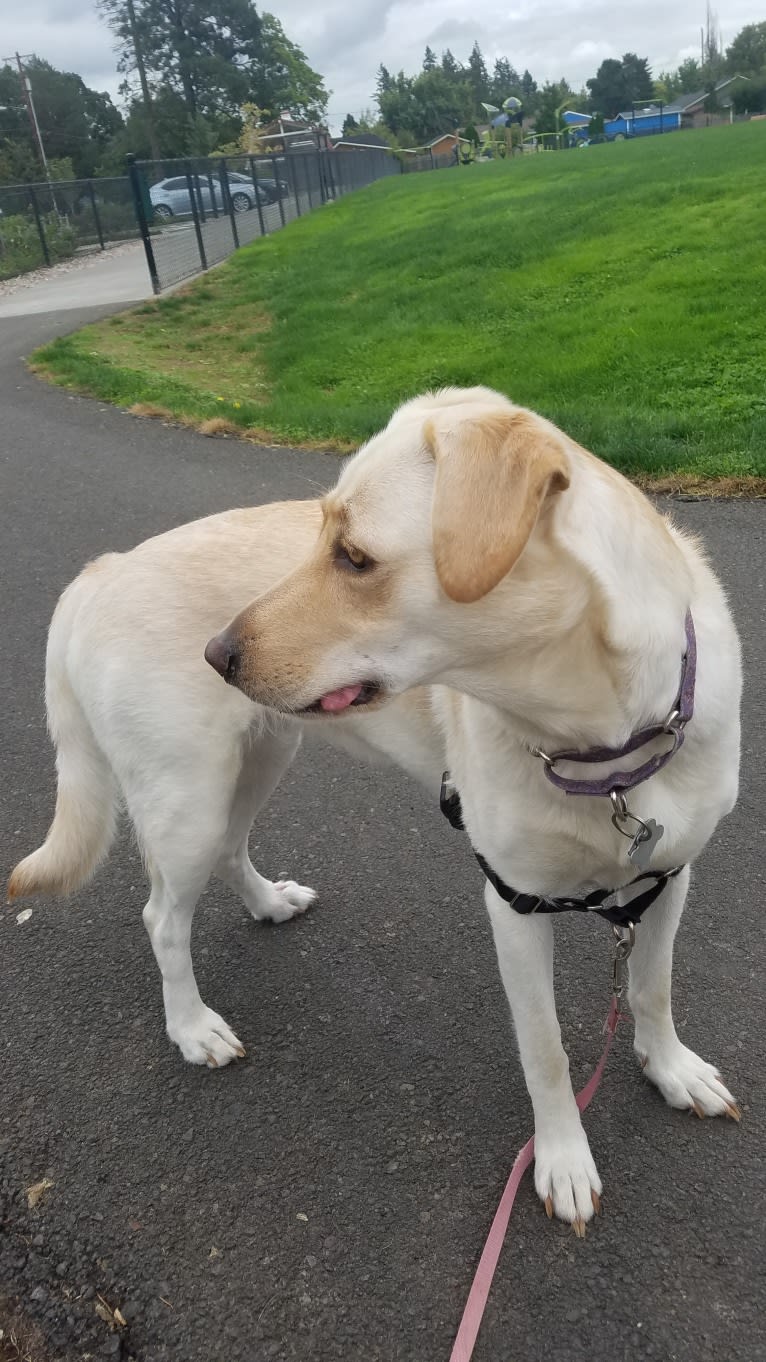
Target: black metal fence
190 213
41 224
193 213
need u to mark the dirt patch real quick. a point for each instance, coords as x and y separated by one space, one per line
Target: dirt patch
20 1341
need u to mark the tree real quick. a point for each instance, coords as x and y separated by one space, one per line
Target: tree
711 47
549 100
478 77
350 126
76 122
528 91
607 88
751 98
216 56
451 68
505 81
200 52
281 77
426 105
638 78
689 77
746 55
618 84
170 127
429 60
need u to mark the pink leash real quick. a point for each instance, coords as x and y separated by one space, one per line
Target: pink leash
480 1287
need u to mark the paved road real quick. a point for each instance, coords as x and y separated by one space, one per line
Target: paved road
327 1199
117 275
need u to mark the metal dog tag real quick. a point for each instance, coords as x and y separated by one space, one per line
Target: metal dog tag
641 849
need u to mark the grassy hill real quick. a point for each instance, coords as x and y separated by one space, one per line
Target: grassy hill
617 289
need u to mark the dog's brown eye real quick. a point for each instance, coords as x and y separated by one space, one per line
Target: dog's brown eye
348 556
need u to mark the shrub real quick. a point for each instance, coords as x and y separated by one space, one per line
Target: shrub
20 249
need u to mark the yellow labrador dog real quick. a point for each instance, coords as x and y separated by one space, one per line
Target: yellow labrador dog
478 593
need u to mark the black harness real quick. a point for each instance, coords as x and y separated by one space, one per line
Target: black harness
620 915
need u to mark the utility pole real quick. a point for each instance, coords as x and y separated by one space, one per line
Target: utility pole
26 90
154 145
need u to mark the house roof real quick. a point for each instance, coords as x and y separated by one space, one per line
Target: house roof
573 119
442 136
689 101
363 139
648 112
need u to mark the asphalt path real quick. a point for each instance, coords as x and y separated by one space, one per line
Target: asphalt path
328 1197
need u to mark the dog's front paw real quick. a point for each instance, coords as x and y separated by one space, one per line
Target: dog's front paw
685 1080
285 899
205 1038
566 1178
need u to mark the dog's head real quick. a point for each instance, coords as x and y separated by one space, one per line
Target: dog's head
420 556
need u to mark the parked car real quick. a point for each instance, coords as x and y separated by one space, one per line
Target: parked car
170 198
273 189
276 189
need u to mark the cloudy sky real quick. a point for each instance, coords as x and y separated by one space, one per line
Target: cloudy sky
347 39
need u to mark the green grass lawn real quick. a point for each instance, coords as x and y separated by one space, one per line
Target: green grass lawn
619 290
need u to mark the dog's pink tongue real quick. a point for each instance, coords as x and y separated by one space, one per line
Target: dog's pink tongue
336 700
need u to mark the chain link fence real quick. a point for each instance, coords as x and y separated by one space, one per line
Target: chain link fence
194 212
41 224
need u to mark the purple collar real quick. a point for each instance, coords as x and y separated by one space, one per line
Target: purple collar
673 726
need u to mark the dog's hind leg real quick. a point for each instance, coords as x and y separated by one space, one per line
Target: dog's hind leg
683 1078
263 766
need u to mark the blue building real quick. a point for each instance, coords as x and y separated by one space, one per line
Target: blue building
642 123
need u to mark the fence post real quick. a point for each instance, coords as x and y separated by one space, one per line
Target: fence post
195 213
259 206
223 175
307 174
211 187
330 173
294 163
39 222
200 200
278 188
143 224
322 185
97 219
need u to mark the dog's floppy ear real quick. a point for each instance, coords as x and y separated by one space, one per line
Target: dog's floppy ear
492 476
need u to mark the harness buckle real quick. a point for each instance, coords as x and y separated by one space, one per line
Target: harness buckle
622 950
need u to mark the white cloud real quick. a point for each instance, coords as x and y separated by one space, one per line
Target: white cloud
348 39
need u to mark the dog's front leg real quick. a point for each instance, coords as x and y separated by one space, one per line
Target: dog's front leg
682 1077
565 1174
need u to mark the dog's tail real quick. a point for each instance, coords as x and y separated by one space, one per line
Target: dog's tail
84 822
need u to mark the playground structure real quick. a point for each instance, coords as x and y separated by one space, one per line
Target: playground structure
498 141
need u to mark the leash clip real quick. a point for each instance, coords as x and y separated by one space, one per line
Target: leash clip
622 952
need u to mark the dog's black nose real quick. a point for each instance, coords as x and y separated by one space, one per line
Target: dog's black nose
223 656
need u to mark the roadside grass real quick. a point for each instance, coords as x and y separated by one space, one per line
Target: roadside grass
618 290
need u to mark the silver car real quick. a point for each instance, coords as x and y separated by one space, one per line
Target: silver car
171 198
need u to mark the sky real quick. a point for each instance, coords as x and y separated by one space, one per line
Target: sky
346 40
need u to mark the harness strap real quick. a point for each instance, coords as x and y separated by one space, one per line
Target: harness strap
620 915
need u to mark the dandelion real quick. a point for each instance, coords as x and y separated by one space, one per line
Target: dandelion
220 399
237 405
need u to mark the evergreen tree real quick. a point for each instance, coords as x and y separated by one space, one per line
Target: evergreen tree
505 81
429 60
478 77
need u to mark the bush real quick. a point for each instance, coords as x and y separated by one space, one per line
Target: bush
20 249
